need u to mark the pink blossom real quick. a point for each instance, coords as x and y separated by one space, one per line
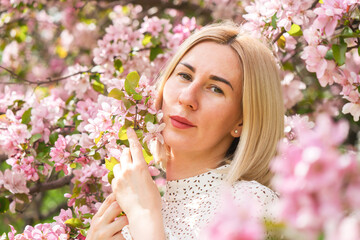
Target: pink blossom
232 222
292 90
10 55
328 14
153 171
14 181
314 58
347 229
63 216
154 25
79 83
314 170
93 129
154 132
59 154
353 109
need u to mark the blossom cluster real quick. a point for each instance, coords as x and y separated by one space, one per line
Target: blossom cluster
144 48
330 53
322 181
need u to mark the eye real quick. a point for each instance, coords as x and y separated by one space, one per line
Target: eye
185 76
216 89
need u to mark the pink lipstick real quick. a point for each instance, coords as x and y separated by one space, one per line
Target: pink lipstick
180 122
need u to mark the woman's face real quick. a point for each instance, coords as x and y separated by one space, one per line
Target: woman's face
201 100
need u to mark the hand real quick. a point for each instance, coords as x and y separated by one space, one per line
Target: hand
103 225
137 193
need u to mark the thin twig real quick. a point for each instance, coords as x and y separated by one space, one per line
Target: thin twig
279 36
38 83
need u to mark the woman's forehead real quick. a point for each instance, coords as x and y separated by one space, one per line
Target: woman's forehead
213 58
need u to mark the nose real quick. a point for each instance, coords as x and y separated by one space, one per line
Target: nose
188 96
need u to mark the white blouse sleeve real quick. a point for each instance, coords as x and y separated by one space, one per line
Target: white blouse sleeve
126 233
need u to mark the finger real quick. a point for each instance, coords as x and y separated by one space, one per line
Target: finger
118 236
135 147
110 199
118 224
112 212
125 158
117 170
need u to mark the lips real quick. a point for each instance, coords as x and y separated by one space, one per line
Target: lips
180 122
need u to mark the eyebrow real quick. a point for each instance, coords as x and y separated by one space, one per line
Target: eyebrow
213 77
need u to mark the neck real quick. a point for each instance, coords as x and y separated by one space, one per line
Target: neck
185 165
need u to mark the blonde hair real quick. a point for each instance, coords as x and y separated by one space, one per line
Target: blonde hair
262 103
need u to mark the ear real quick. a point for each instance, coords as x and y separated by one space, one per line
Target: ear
236 132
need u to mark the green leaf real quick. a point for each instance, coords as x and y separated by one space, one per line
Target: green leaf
122 134
155 41
61 122
4 204
329 55
116 93
69 99
288 66
77 148
146 40
42 151
137 97
75 154
97 156
53 137
127 103
98 86
139 133
295 30
35 137
26 117
110 176
154 51
74 222
339 51
118 65
321 236
96 140
73 165
281 42
131 82
347 32
110 163
359 50
149 117
148 157
273 21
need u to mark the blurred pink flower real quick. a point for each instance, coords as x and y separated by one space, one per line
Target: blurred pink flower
292 87
316 173
234 223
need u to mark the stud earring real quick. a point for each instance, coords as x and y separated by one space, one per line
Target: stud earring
236 131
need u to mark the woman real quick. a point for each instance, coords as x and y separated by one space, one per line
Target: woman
223 109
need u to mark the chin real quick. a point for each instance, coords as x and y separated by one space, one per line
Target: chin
177 141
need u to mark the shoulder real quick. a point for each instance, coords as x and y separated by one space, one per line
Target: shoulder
263 197
255 189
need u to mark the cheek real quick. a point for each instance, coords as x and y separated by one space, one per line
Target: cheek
169 93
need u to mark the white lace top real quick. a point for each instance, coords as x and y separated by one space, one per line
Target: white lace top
190 204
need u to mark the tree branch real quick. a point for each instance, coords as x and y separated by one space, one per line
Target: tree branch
38 83
314 4
51 185
278 36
